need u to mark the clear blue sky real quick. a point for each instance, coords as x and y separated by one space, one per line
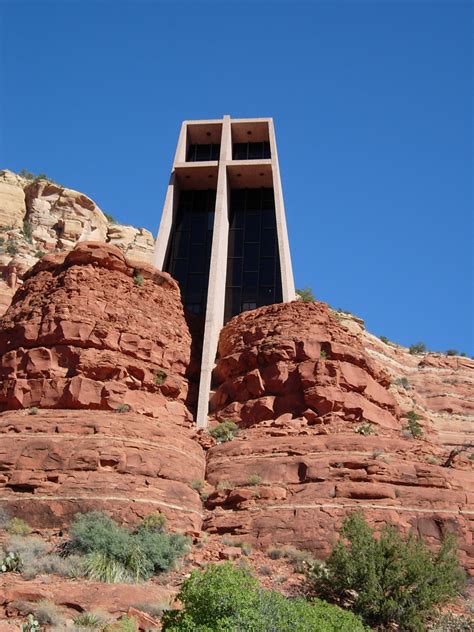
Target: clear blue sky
372 104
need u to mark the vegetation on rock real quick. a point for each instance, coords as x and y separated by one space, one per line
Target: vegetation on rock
224 431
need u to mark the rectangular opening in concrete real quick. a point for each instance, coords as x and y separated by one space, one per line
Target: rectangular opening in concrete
253 264
203 141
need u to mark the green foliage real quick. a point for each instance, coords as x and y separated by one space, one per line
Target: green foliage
12 247
417 348
323 354
116 554
37 558
413 427
122 408
31 625
24 173
390 579
10 563
138 279
18 526
384 339
90 620
33 410
254 479
197 485
225 598
223 486
126 624
306 295
402 381
365 429
452 352
224 431
47 613
110 218
39 254
159 378
27 231
154 521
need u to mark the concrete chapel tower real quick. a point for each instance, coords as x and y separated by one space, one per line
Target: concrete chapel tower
223 232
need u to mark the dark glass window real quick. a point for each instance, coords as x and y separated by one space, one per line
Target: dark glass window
253 267
190 248
251 151
197 153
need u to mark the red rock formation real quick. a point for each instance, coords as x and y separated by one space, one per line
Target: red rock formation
304 389
83 334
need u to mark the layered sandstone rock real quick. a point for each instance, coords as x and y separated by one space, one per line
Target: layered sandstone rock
92 331
304 390
40 216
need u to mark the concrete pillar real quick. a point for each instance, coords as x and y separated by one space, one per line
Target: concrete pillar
287 281
217 278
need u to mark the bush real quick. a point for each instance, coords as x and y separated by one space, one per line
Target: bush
159 378
39 254
390 579
31 625
417 348
122 408
18 526
12 247
413 427
116 554
452 352
365 429
306 295
47 613
138 279
224 431
197 485
402 381
450 622
36 558
10 563
33 410
254 479
225 598
90 620
384 339
110 218
27 231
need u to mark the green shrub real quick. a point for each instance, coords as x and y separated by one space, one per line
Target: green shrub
155 521
122 408
116 554
27 231
365 429
138 279
18 526
47 613
384 339
452 352
197 485
31 625
224 431
225 598
417 348
90 620
10 563
37 558
159 378
110 218
39 254
12 247
402 381
322 354
254 479
450 622
390 579
33 410
306 295
413 427
24 173
275 553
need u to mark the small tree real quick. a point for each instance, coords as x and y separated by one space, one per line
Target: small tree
417 348
306 295
224 431
413 427
388 579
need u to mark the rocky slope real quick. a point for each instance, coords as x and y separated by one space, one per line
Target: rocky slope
90 332
38 216
324 434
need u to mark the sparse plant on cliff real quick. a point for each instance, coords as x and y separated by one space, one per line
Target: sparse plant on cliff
452 352
403 382
12 246
227 598
254 479
122 408
155 521
10 563
224 431
39 254
365 429
159 378
413 427
389 579
417 348
384 339
33 410
24 173
90 620
305 294
450 622
27 231
197 485
225 486
138 278
323 354
110 218
47 613
18 526
31 625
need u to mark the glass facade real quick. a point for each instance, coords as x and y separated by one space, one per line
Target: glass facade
250 151
190 248
197 153
253 264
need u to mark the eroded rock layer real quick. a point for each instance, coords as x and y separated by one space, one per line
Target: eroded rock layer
91 330
87 333
322 435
